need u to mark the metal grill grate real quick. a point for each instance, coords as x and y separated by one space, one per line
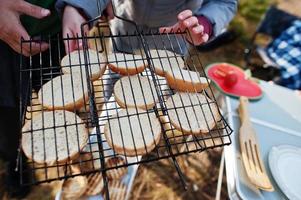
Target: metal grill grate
100 106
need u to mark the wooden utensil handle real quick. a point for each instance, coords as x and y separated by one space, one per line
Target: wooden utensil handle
243 109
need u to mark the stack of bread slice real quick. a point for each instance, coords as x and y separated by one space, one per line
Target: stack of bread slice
73 188
133 132
55 133
190 110
186 81
126 64
114 164
192 113
66 92
172 66
164 61
84 111
93 183
135 129
117 190
53 137
135 91
34 106
75 63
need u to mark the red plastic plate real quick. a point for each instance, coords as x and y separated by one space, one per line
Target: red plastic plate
235 84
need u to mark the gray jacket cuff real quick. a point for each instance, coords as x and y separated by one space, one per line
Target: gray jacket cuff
219 13
89 7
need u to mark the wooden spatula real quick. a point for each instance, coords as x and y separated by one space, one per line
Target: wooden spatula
250 152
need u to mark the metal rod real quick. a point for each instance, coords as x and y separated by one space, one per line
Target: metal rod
220 177
93 111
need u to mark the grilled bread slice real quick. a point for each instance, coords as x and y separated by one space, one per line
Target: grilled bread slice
53 137
74 188
186 81
164 60
34 107
126 64
95 184
66 92
75 63
133 132
117 190
192 113
98 98
115 173
135 91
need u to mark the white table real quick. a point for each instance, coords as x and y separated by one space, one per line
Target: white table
277 120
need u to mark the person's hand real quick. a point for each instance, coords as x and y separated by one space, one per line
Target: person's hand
72 20
12 30
186 20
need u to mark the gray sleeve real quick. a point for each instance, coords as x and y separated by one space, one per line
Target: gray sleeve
89 7
219 13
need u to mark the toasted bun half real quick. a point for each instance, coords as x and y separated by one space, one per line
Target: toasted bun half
164 60
95 184
53 137
135 91
34 107
186 81
133 133
75 63
192 113
117 190
98 98
74 188
114 162
66 92
126 64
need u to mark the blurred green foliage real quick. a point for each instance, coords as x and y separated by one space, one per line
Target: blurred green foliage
248 16
252 10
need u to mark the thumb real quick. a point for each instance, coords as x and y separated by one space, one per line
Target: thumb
205 37
32 10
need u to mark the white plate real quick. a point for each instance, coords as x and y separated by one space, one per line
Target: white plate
285 165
